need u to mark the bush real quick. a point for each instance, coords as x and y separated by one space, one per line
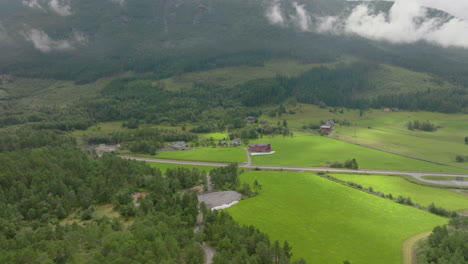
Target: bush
144 147
440 211
424 126
131 124
87 214
351 164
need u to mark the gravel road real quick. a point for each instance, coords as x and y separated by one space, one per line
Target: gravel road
215 199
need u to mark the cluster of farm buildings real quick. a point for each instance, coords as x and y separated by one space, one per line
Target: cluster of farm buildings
256 147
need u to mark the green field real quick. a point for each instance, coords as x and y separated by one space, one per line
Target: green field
424 195
305 149
101 210
215 136
219 154
164 166
439 178
306 114
326 222
388 131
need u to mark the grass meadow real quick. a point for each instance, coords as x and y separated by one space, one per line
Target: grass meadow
306 149
439 178
215 136
424 195
382 130
164 166
101 210
389 132
218 154
326 222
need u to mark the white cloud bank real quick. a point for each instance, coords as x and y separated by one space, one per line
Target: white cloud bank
407 22
46 44
61 7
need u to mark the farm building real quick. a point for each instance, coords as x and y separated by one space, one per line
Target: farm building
250 119
139 195
260 147
181 145
222 143
328 126
236 142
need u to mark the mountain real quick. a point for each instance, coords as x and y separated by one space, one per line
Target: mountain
86 39
83 41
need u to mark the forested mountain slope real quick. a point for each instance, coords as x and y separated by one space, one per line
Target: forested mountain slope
83 40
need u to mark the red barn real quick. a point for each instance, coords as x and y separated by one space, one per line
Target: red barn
326 128
261 147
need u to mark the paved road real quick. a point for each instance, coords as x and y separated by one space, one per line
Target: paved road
415 174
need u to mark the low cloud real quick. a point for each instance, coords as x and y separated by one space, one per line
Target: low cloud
32 4
301 18
297 17
46 44
274 14
61 7
407 22
458 8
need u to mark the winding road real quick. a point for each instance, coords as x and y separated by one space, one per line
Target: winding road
415 174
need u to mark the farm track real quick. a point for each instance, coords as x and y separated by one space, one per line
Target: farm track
208 251
415 174
409 254
249 158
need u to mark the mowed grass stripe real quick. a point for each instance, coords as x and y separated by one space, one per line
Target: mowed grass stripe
424 195
164 166
218 154
305 149
327 222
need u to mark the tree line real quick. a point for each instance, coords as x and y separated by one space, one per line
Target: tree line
45 178
447 244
